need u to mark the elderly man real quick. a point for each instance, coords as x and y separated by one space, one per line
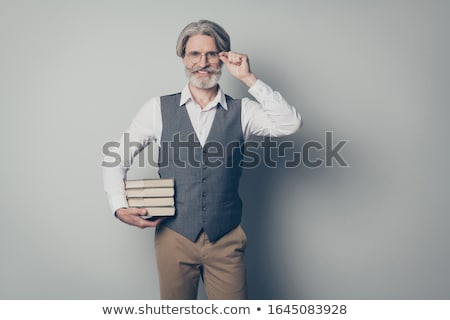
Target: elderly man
204 238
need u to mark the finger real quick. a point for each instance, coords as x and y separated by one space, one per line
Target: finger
144 223
223 56
152 223
156 222
232 57
131 215
149 224
236 58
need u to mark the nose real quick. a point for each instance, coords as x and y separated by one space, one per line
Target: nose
203 61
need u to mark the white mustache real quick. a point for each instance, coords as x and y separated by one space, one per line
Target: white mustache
208 69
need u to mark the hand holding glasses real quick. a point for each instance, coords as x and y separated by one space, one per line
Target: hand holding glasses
212 57
237 63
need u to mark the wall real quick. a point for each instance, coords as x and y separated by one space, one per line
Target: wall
374 73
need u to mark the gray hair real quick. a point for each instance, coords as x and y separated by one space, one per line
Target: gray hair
207 28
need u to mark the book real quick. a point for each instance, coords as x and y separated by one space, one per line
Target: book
151 202
159 212
150 183
154 195
150 192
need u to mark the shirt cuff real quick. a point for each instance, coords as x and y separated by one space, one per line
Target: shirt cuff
117 201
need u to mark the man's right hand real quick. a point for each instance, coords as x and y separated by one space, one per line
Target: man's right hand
133 216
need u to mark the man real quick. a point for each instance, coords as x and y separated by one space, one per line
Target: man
204 238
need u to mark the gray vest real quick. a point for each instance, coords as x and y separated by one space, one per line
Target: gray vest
206 179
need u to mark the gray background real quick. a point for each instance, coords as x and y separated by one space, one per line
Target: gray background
376 73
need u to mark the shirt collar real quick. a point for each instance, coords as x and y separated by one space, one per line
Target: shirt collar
220 98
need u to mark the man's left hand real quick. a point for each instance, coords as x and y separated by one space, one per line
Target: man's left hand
239 66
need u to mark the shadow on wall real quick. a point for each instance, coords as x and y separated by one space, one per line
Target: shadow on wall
258 192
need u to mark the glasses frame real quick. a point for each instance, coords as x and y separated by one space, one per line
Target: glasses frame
211 59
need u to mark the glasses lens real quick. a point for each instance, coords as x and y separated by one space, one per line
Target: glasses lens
213 57
196 57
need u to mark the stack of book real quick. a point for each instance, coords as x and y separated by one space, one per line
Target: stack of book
155 195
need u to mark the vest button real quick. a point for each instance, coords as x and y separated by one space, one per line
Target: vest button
203 180
204 194
204 208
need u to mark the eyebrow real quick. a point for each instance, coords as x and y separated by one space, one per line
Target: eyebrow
195 51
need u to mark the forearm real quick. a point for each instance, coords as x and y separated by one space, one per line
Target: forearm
271 115
249 80
113 178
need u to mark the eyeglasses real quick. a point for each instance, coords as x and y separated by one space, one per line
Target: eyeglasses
196 57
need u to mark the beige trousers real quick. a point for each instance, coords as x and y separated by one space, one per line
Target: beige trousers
182 262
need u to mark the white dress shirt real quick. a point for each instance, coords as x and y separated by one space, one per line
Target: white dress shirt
270 115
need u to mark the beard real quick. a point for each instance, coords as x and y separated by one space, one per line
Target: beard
204 83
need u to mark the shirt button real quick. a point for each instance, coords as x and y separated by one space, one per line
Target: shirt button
204 208
204 194
203 180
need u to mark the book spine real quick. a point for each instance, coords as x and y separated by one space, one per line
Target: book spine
149 183
160 211
151 202
150 192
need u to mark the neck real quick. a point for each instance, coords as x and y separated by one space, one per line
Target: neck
203 96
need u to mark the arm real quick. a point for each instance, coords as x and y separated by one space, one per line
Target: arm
271 115
145 128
